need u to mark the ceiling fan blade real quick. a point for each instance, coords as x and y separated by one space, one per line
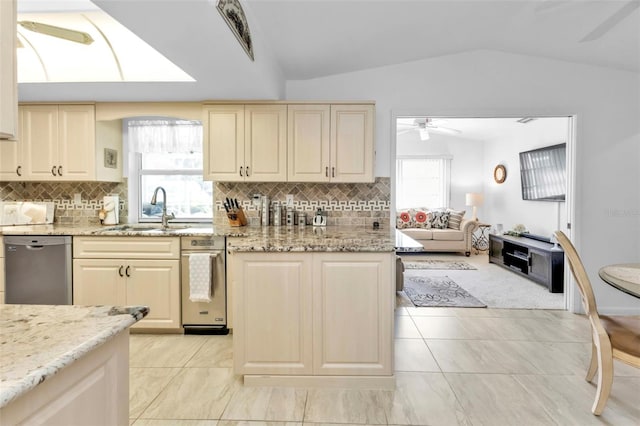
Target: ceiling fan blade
611 21
545 5
444 130
59 32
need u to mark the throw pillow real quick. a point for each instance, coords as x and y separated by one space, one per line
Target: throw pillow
404 219
455 218
440 219
421 218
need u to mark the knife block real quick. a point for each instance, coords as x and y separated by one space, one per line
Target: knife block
238 218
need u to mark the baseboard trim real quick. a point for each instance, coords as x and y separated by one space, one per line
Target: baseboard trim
349 382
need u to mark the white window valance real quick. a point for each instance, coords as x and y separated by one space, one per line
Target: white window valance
164 136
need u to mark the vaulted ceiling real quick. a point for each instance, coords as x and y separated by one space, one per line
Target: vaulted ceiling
306 39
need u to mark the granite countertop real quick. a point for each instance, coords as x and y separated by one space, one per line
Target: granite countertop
250 238
330 238
36 341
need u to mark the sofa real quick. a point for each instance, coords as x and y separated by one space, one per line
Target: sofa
438 230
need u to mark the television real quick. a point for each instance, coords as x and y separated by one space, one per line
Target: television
543 173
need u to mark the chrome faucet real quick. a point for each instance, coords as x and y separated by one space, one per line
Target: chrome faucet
165 216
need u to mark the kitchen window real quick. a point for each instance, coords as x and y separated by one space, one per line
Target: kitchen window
168 153
422 182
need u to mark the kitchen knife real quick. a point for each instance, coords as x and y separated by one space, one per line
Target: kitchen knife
229 203
226 207
237 205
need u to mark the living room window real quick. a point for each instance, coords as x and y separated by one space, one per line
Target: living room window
422 182
168 153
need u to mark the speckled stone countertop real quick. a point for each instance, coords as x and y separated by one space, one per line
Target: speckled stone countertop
36 341
330 238
250 238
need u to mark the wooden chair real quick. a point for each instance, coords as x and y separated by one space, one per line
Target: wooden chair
611 337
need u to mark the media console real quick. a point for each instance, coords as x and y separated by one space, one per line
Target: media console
540 261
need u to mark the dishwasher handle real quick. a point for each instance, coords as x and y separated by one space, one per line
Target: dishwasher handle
34 247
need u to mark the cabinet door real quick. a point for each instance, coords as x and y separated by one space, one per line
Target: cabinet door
352 143
156 284
10 160
539 266
39 139
99 282
353 313
308 143
223 150
8 70
272 316
265 143
77 142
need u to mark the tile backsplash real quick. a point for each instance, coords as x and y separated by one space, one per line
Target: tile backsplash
357 204
67 212
345 203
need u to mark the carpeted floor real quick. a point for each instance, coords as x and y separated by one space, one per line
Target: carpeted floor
491 284
439 292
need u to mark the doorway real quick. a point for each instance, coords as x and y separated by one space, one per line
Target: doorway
473 147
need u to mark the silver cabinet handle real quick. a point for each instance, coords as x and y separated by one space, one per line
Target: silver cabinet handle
19 170
326 171
247 172
241 171
120 271
333 172
53 170
59 170
126 272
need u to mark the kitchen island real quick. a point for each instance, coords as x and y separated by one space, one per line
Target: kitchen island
313 306
65 364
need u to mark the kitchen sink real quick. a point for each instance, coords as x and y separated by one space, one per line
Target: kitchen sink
144 228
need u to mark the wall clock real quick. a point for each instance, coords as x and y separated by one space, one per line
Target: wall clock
500 173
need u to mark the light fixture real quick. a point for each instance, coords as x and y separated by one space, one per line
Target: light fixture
474 199
59 32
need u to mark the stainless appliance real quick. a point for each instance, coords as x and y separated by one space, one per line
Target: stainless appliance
38 270
205 317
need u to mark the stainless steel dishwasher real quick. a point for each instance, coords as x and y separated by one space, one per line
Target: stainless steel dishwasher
38 270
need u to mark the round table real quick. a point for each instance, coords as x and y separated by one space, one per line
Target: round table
623 276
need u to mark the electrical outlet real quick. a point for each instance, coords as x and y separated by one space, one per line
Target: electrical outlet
290 199
77 199
257 199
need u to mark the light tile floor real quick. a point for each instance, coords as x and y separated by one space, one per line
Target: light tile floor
453 366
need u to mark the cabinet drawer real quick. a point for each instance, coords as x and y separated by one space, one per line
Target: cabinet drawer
126 248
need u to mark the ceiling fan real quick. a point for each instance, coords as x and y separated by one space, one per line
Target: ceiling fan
604 27
424 125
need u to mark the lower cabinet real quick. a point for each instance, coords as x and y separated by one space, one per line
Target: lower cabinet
313 313
129 281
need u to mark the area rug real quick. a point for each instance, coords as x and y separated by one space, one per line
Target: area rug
439 292
438 264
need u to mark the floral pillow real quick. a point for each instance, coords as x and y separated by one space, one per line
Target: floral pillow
440 219
404 219
421 218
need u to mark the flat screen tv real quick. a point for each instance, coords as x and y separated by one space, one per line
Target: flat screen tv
543 173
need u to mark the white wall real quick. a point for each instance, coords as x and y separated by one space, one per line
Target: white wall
490 83
503 202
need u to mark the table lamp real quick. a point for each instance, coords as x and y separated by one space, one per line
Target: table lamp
474 199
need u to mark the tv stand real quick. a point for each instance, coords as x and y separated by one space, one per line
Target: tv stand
539 261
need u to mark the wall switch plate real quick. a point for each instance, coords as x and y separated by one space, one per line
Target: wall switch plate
77 199
257 199
290 199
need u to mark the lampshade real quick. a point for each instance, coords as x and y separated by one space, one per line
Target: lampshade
474 199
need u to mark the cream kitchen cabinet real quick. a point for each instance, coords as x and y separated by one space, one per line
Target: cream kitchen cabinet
58 142
8 71
130 271
245 143
313 314
330 143
1 270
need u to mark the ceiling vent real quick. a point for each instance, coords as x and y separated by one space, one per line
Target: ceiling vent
525 120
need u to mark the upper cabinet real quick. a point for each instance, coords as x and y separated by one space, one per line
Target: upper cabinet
245 143
8 71
294 142
11 157
331 143
58 142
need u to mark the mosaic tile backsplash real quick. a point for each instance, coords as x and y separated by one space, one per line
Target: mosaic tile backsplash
358 204
346 204
68 213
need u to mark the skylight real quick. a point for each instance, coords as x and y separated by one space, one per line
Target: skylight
115 55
